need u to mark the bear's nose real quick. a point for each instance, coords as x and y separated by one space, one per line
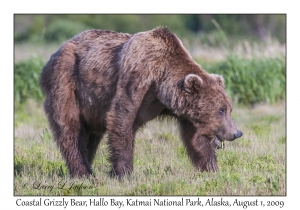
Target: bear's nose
238 134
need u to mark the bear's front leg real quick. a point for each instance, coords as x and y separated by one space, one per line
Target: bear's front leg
120 146
121 127
199 148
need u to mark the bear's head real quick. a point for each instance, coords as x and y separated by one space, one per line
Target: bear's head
208 106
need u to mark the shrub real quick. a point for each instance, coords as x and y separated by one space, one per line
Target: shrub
250 81
26 79
63 30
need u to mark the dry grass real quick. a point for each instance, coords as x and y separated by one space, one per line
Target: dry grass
27 50
267 48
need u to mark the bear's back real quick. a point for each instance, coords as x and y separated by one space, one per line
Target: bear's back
87 40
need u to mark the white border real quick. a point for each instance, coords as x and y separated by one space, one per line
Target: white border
217 6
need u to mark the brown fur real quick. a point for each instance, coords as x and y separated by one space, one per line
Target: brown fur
103 81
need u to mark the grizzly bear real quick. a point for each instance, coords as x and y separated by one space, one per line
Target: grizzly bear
102 81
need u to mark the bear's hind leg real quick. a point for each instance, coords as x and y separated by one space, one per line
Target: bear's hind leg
59 83
72 144
71 139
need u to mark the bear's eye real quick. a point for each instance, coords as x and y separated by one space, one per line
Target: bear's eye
222 110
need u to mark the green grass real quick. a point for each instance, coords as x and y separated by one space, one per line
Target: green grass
252 165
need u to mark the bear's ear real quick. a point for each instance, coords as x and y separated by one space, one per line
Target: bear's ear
192 82
220 79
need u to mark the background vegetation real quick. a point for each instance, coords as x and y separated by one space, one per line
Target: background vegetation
53 28
248 50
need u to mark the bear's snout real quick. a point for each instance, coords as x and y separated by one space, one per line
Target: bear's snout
238 134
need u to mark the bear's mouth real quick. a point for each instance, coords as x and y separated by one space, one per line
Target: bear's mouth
218 143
